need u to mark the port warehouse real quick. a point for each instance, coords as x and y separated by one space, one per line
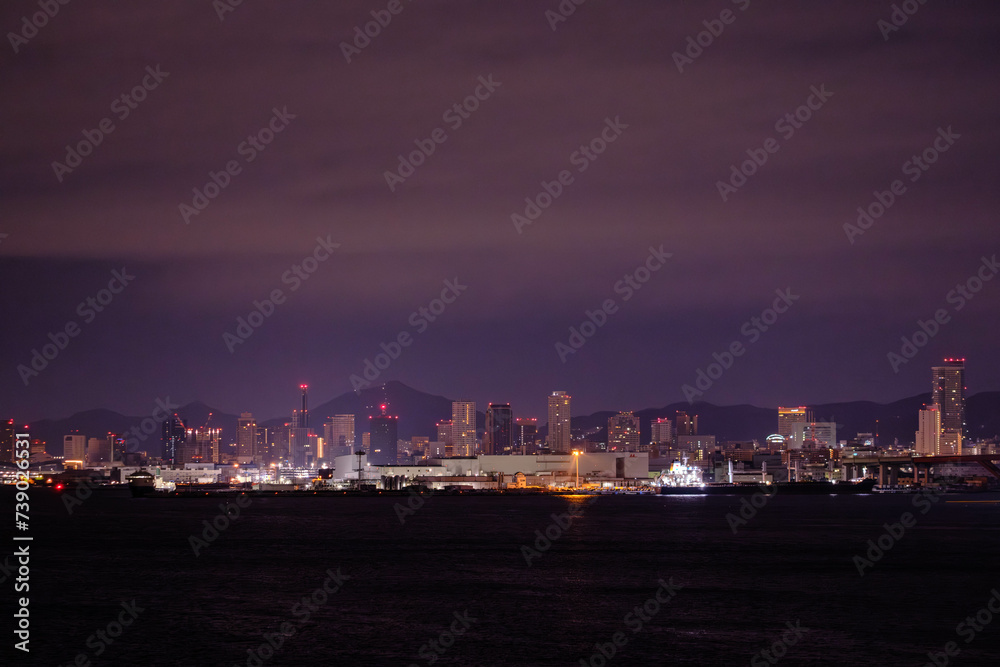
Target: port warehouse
607 469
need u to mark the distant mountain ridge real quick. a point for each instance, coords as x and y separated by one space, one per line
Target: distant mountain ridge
419 412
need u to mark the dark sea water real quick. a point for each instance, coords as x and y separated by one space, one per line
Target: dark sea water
792 562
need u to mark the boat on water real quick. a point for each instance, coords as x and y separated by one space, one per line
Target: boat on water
141 483
683 479
780 488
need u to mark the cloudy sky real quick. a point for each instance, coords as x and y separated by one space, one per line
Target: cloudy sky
685 114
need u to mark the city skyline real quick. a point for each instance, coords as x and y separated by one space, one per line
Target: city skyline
638 272
371 332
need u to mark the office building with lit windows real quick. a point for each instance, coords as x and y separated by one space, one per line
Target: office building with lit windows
463 427
623 432
559 421
382 439
948 393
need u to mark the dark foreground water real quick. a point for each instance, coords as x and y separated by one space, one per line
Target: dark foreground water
791 563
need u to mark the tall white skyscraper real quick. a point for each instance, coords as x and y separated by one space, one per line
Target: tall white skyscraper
463 427
559 421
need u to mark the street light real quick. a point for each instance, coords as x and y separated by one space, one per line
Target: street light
576 455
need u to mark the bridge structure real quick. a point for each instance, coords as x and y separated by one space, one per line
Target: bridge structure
890 466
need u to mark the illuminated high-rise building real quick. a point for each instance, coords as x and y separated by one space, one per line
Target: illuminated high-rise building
174 435
304 415
444 432
301 446
928 441
813 435
75 448
99 452
281 443
463 427
201 446
339 432
559 421
246 438
788 418
7 439
263 451
383 441
686 424
526 434
948 393
499 436
119 446
623 432
662 431
38 453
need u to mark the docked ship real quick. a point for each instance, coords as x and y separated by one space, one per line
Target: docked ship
686 480
141 483
780 488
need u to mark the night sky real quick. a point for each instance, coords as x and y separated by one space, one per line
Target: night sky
879 97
